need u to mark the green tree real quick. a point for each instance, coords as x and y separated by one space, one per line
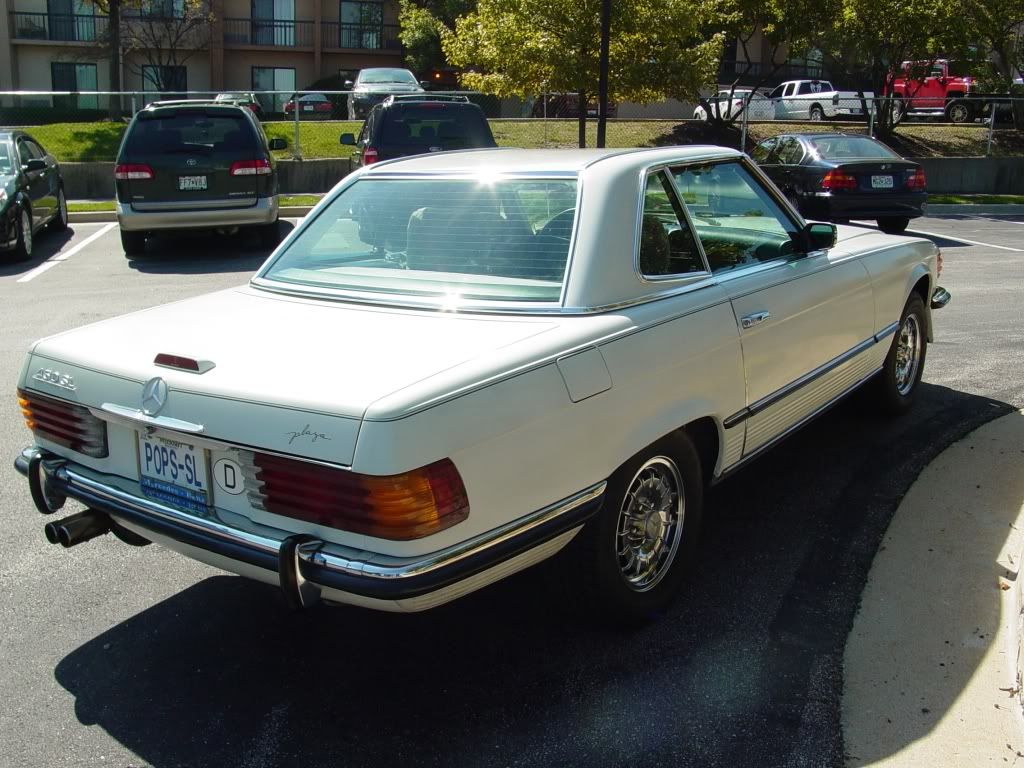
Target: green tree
869 40
997 28
529 47
422 23
784 30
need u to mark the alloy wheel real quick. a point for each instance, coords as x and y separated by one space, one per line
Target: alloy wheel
908 355
650 523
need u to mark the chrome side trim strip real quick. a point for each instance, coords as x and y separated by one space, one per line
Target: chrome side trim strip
807 378
786 433
886 332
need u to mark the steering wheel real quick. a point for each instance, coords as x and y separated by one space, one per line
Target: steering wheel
559 225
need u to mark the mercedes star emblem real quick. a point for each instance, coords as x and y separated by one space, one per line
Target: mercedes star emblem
191 162
154 396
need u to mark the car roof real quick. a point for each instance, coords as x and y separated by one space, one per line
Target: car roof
541 161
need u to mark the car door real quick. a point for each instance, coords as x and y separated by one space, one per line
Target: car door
51 176
775 102
36 183
806 320
766 155
790 155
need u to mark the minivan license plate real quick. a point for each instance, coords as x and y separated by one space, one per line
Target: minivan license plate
191 182
173 472
881 182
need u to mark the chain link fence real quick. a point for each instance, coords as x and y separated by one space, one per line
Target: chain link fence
76 126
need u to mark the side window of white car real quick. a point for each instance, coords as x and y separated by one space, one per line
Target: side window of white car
667 245
737 220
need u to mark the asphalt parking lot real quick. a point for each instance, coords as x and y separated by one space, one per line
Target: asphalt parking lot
117 656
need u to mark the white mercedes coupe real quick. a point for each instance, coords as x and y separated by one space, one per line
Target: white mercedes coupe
461 363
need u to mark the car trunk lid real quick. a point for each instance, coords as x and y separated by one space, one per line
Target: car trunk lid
284 369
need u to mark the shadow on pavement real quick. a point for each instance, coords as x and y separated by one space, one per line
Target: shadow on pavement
745 669
190 253
45 245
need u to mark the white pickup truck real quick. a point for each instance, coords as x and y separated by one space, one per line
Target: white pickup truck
815 100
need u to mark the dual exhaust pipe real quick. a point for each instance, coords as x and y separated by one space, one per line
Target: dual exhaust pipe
77 529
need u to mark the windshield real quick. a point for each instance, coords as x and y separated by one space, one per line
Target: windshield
850 147
446 239
387 76
188 132
5 159
435 126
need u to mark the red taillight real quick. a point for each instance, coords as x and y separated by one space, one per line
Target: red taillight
323 106
250 168
398 507
916 180
838 180
132 172
369 156
64 423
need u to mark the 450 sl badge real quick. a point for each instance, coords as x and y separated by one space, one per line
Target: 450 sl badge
56 378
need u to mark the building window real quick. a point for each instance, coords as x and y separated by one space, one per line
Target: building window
281 79
69 76
156 9
71 20
273 22
361 25
170 81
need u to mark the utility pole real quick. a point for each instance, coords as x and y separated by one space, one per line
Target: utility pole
602 81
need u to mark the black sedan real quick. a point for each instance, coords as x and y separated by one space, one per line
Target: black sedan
31 193
838 177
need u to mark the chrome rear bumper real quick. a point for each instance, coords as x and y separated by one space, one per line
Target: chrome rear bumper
303 563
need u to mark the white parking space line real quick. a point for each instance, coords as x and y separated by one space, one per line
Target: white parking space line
53 261
959 239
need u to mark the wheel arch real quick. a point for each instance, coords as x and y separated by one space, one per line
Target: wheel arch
922 287
705 433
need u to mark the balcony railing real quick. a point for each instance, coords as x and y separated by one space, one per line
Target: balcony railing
364 37
58 26
290 34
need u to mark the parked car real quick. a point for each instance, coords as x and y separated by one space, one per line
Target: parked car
539 351
247 100
312 106
730 102
415 124
187 165
935 88
375 84
835 176
31 193
567 105
817 100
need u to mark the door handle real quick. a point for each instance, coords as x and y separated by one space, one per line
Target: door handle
749 321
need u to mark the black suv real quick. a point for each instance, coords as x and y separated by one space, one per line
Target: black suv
415 125
195 165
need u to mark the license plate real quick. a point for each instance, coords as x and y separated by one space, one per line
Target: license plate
191 182
307 109
173 472
881 182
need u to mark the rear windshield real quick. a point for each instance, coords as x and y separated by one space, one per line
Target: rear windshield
387 76
191 132
848 147
436 125
443 239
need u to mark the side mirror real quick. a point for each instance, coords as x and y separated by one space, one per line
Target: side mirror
349 83
278 143
819 237
348 139
35 164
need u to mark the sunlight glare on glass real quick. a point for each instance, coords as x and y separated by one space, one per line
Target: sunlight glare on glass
487 176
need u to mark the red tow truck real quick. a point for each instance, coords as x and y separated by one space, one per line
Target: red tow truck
936 88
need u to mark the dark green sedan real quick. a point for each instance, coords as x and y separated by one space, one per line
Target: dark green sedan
31 193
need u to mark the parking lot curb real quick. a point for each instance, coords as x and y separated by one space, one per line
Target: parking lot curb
1000 208
932 668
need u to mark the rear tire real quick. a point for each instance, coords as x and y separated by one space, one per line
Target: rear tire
817 114
895 225
23 250
270 236
630 559
896 386
958 111
133 243
60 222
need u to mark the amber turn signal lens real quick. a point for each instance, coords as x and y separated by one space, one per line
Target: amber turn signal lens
400 507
